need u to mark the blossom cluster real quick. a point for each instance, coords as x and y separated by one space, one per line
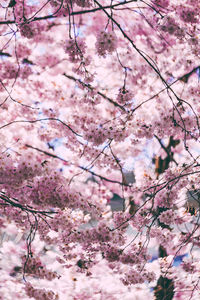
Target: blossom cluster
34 266
124 96
75 49
106 43
17 172
187 14
31 30
65 5
167 217
40 294
137 276
98 134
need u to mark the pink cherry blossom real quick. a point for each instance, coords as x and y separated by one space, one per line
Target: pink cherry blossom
99 152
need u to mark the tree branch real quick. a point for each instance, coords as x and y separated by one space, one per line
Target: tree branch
92 88
80 167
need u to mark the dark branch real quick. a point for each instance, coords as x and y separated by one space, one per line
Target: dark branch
92 88
80 167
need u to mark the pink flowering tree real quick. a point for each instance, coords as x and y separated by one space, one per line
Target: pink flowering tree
99 152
